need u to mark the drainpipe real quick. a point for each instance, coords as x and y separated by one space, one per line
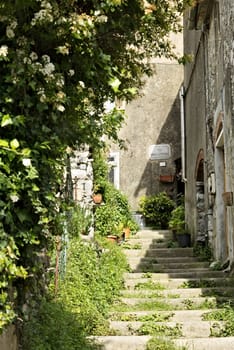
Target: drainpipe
182 120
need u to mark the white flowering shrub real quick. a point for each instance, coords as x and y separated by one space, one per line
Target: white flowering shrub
61 60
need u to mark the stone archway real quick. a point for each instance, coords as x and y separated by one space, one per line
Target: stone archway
200 199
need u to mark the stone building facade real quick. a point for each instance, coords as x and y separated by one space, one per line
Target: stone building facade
209 125
151 162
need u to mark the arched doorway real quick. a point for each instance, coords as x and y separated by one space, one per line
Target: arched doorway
200 199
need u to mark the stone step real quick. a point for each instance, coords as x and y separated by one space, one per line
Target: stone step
154 265
141 254
145 244
191 274
175 315
131 281
134 342
187 328
178 303
181 292
222 343
153 234
129 342
170 252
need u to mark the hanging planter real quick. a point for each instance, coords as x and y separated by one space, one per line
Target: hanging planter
166 178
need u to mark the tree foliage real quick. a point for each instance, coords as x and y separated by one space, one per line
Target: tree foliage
61 60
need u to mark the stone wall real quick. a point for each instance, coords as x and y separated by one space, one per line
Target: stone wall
209 106
195 126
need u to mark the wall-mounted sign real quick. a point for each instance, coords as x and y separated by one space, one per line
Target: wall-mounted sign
161 151
162 164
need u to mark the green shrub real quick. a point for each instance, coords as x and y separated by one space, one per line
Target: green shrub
54 327
157 209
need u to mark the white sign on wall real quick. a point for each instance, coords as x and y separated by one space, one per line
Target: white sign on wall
161 151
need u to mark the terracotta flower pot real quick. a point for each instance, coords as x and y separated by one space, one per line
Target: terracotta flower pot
112 238
126 231
97 198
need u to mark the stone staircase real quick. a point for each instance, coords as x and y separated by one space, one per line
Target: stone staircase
167 293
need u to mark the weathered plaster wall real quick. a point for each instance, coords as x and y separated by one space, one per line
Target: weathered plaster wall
8 340
153 118
195 128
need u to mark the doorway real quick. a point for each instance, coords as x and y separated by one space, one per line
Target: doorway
221 237
200 200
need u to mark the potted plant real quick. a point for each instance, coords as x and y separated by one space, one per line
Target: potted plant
98 191
130 227
80 221
97 198
157 209
178 225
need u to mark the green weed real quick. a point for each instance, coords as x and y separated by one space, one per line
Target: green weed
225 314
153 328
92 282
157 343
152 285
155 317
143 306
147 275
198 284
129 246
143 295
